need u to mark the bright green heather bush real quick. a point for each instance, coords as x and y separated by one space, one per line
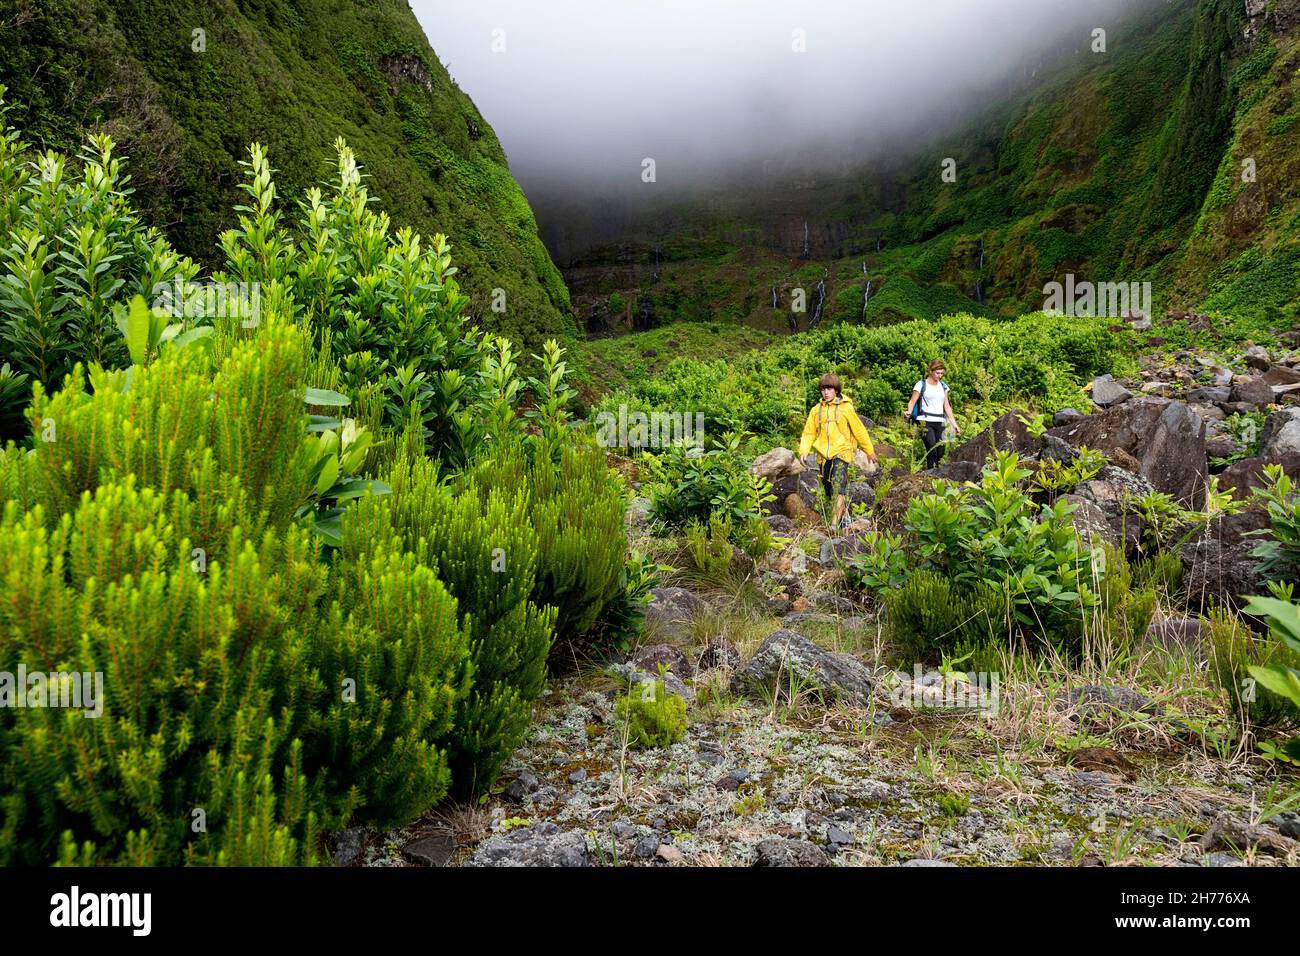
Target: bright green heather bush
1037 360
653 716
576 507
151 536
485 549
1236 653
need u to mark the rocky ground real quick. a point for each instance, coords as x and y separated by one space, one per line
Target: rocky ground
804 749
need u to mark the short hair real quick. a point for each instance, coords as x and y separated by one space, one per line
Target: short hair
830 380
936 365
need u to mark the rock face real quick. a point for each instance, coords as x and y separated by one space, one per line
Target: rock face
776 464
1281 435
1253 391
1242 476
785 654
1175 459
1007 433
1218 568
1165 438
1091 522
542 845
1176 632
788 477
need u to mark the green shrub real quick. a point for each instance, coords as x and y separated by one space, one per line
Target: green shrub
653 717
577 505
244 676
690 484
624 615
74 253
482 545
1281 551
929 618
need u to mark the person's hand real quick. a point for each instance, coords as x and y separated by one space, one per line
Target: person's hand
956 429
874 458
803 460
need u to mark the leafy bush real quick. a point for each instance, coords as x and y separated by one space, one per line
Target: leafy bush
75 253
690 484
1281 553
982 539
653 716
624 615
1037 359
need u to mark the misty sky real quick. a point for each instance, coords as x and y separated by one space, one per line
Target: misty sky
585 89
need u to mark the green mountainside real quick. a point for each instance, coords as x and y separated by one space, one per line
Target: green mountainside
294 75
1123 166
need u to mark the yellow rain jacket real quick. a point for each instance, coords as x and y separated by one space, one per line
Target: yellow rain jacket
833 430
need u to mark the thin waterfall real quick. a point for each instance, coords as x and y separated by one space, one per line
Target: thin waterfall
817 312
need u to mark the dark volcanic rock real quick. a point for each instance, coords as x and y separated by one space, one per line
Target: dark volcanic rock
544 844
780 852
1007 433
1241 476
785 653
671 612
1107 392
1218 568
1165 438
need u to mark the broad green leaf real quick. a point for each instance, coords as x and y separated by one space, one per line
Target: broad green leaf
328 528
1280 680
328 474
139 321
322 423
347 490
323 396
1282 615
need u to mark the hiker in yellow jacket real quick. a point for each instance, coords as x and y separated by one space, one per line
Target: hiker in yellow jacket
833 431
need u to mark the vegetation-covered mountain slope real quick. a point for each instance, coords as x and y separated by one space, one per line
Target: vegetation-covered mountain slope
1128 165
293 75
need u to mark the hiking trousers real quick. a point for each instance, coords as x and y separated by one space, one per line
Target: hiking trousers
933 438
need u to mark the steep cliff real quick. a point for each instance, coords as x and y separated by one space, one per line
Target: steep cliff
185 85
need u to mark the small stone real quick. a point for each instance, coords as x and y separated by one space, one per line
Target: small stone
1257 357
732 780
542 845
431 851
838 837
647 846
348 845
1107 392
622 830
1067 416
669 854
920 862
521 786
780 852
578 776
